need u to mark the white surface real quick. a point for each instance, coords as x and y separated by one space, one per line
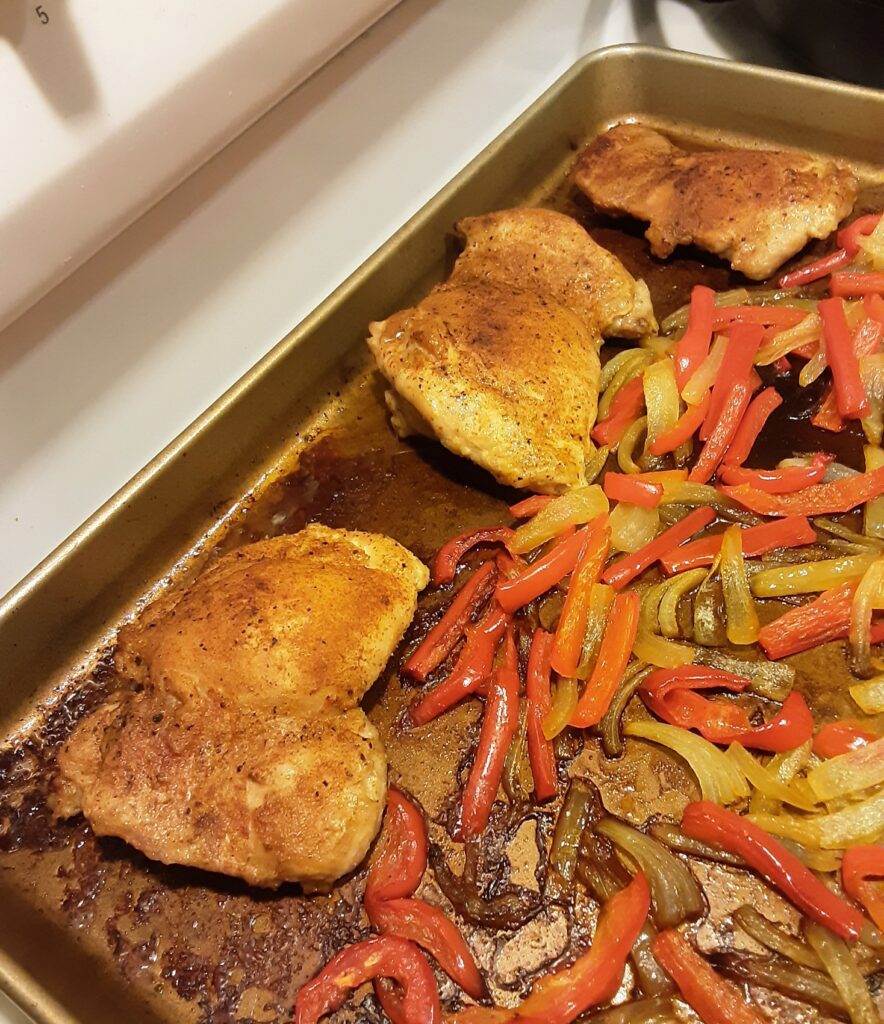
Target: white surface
111 365
108 106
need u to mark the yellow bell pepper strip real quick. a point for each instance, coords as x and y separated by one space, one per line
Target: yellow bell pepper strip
693 347
384 956
751 425
626 569
611 662
499 722
443 637
571 629
859 864
817 500
850 394
564 700
716 1000
453 550
574 508
713 824
792 531
867 598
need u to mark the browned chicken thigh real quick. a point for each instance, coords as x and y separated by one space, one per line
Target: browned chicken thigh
500 362
241 748
756 208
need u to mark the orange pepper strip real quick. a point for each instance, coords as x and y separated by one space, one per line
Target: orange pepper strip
722 434
849 391
687 425
614 652
693 347
816 500
571 629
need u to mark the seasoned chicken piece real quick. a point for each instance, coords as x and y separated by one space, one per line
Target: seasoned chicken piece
549 253
503 376
756 208
242 750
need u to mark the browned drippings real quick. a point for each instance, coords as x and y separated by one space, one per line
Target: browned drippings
209 949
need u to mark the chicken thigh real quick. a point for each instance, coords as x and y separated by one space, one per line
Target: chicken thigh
240 747
756 208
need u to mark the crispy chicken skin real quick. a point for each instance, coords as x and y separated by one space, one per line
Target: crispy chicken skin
756 208
500 361
241 748
547 252
505 377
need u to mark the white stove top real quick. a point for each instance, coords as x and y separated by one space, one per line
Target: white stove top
114 362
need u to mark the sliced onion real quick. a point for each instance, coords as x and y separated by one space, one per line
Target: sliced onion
719 778
661 398
869 695
868 597
661 653
620 368
861 822
845 974
742 618
563 701
849 773
792 980
774 938
675 895
596 463
807 331
632 526
601 597
672 591
629 443
873 512
702 379
578 506
765 781
610 726
709 629
871 371
771 679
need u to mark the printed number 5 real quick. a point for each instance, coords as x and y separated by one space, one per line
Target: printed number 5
42 15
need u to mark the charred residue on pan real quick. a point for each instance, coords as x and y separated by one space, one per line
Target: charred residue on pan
213 951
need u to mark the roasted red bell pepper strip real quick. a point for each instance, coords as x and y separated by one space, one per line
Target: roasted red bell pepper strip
688 424
715 999
541 752
817 500
791 726
626 569
472 668
453 550
722 434
779 481
628 487
759 316
593 978
443 637
626 407
789 532
836 738
751 425
614 652
571 630
816 270
874 307
825 618
736 368
433 931
848 238
693 347
384 956
841 357
540 576
710 823
850 285
530 506
858 866
499 723
827 416
397 870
